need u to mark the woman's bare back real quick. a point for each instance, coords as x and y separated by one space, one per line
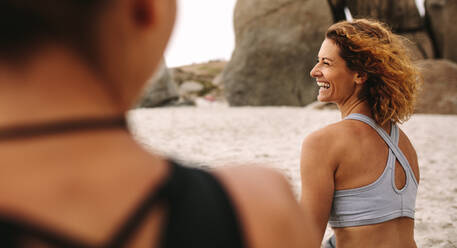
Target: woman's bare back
365 161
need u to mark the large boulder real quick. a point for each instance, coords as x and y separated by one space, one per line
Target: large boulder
160 90
277 42
439 91
337 7
402 16
442 17
420 45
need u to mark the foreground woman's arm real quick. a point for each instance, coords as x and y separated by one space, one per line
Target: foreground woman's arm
270 215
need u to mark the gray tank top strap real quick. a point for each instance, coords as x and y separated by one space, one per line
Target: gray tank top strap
394 134
391 141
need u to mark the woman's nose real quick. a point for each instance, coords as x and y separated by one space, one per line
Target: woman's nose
315 71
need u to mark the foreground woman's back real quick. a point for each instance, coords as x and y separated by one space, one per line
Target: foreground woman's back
71 197
72 175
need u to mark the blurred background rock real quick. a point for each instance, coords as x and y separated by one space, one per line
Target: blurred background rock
276 44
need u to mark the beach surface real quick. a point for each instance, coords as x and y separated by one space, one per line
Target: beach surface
216 135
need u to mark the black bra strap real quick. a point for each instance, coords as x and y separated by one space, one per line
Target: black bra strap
125 232
119 239
41 129
10 228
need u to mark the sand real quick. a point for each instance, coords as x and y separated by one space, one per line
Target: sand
215 135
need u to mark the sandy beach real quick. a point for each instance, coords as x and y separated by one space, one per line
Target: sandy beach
215 136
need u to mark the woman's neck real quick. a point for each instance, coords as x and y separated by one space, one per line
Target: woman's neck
355 106
361 107
53 85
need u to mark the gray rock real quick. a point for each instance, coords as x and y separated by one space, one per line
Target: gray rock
337 7
442 17
402 16
439 91
190 87
159 90
217 81
420 45
277 42
434 16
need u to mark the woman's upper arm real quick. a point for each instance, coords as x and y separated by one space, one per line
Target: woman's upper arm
317 165
269 213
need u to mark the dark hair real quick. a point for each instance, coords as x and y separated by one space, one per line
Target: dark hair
25 24
369 47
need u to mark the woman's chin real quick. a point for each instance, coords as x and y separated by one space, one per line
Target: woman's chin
323 95
321 98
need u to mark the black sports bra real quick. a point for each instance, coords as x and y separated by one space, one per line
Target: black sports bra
200 214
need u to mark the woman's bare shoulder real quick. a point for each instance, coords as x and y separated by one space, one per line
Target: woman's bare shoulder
333 136
326 147
269 213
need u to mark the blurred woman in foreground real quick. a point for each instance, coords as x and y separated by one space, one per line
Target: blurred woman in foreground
71 173
361 174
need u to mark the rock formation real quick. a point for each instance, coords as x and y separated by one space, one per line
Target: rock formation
277 42
442 18
160 89
439 91
402 16
200 80
337 7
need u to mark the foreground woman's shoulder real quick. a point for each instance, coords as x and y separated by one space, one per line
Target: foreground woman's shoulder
269 213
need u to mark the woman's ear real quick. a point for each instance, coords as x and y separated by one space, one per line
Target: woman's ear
360 77
144 12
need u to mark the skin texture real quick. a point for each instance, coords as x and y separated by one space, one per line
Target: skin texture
48 182
349 154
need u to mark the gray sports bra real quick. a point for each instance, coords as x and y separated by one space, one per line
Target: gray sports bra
379 201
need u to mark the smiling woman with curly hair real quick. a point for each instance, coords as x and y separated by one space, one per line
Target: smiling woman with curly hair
370 48
368 165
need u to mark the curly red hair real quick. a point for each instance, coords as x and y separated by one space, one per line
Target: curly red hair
370 48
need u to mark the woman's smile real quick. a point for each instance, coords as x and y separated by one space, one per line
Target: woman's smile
324 90
323 85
